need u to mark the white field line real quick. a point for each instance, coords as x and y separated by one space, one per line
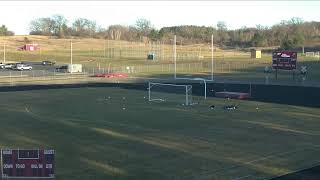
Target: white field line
224 170
242 177
247 176
297 170
315 147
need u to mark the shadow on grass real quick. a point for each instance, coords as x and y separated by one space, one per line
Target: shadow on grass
88 147
306 174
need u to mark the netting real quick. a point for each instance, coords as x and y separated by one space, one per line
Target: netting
175 93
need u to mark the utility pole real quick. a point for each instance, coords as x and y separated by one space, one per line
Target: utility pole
71 55
4 52
212 57
104 49
175 56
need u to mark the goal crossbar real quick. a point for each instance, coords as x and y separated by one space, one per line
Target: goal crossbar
167 84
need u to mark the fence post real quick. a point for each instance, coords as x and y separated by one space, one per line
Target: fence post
10 79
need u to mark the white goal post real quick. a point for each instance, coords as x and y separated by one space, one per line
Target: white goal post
312 54
161 89
202 80
175 58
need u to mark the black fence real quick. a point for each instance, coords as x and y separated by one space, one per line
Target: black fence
291 95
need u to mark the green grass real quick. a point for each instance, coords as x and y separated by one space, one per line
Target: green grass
95 138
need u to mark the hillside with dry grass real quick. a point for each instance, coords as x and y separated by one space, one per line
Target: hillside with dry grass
88 49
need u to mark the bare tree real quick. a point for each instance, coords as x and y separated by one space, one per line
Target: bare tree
59 23
5 32
42 26
144 26
84 27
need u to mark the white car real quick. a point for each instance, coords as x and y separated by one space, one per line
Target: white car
9 66
2 66
22 67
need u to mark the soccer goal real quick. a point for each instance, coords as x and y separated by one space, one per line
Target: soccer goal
178 93
310 54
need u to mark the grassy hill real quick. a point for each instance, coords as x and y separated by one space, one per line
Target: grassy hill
117 52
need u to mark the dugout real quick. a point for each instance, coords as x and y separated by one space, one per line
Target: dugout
151 56
255 54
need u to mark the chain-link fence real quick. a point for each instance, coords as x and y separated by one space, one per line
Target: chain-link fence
105 56
247 72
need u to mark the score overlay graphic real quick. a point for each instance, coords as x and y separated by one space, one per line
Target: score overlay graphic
27 163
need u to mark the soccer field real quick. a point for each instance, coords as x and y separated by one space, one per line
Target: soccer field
115 133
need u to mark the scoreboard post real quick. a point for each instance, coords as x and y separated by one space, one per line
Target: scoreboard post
284 60
27 163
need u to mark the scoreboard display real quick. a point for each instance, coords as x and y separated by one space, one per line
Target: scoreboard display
286 60
24 163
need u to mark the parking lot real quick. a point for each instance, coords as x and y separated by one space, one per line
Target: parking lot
37 70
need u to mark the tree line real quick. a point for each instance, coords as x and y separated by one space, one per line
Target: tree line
287 34
56 26
5 32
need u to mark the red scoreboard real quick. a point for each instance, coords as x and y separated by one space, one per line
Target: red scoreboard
286 60
26 163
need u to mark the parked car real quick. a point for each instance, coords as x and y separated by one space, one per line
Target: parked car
2 66
22 67
48 63
62 69
9 66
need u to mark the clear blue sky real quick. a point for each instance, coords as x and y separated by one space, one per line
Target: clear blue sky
17 15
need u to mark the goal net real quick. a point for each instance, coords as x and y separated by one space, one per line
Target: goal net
177 93
310 54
